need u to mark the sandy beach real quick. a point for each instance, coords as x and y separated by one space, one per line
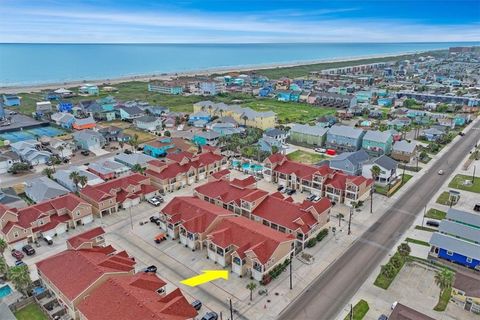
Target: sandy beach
203 72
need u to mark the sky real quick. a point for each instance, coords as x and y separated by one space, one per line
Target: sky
238 21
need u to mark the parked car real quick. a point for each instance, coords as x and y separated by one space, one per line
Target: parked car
28 249
311 197
291 191
17 254
383 317
317 198
154 201
320 150
48 240
210 316
280 188
151 268
461 133
160 237
197 305
433 223
155 220
477 207
19 263
440 172
85 152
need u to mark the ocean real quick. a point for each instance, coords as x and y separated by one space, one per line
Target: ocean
37 64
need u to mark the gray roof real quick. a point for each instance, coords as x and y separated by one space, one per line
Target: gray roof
386 162
345 131
274 132
200 114
133 110
404 146
133 159
106 166
208 134
433 131
8 195
464 216
81 121
87 135
310 130
450 243
378 136
43 188
356 157
147 119
468 284
459 229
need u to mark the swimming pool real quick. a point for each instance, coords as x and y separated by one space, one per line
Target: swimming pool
235 163
5 291
252 167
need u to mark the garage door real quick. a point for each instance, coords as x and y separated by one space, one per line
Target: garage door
87 219
61 228
282 183
131 202
50 233
18 245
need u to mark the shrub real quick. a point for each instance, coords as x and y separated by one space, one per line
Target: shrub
311 243
322 234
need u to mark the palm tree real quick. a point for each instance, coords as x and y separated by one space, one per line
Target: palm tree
134 142
82 181
138 168
75 177
444 279
61 148
404 249
3 246
20 277
48 172
221 112
3 266
251 286
245 118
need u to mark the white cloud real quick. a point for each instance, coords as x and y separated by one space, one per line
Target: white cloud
83 25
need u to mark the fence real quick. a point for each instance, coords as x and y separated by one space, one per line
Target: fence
21 303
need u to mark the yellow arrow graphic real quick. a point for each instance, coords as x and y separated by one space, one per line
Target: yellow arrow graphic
206 276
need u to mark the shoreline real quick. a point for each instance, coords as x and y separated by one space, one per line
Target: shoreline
201 72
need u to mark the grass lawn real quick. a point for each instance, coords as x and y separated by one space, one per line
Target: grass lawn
384 190
359 310
458 183
305 157
382 281
425 229
444 198
129 129
31 312
419 242
435 214
443 300
288 112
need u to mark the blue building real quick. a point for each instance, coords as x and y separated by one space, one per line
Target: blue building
11 100
65 107
199 116
265 91
458 239
159 148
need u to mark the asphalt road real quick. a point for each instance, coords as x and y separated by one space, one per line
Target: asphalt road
331 291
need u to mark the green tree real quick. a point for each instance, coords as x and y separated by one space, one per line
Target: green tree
444 279
396 261
19 167
20 277
245 118
3 246
138 168
75 177
82 181
404 249
167 134
251 286
389 270
3 266
134 142
48 172
375 171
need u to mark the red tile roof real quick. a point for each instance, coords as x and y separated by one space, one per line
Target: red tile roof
247 235
135 298
86 236
195 214
245 183
73 271
225 191
28 215
288 214
173 169
220 174
277 158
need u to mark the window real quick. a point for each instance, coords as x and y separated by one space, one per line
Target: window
449 253
15 234
469 260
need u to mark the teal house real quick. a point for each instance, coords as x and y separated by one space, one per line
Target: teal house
377 143
206 138
288 95
363 96
159 148
89 89
460 120
385 102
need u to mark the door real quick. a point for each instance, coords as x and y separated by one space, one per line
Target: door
61 228
88 219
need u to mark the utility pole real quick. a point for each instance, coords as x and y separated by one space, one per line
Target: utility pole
403 174
473 174
424 213
371 197
350 220
351 311
231 310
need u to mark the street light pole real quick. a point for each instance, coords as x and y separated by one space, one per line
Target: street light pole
231 310
131 219
350 220
473 174
291 260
